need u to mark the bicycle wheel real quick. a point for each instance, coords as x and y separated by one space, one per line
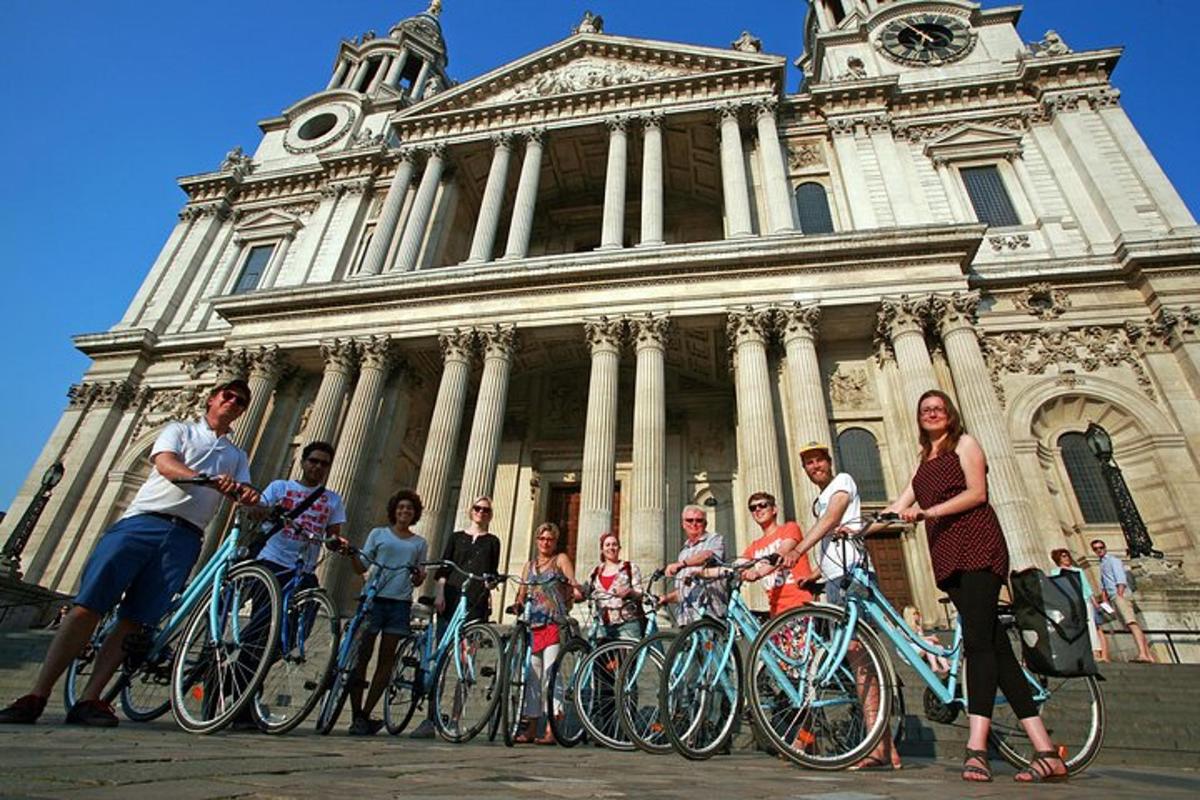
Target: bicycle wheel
466 683
145 685
293 685
340 677
79 671
596 694
513 685
637 694
221 662
560 706
493 726
700 696
403 690
1073 712
817 704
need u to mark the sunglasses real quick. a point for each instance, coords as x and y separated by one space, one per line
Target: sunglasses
759 506
233 397
481 509
695 520
318 462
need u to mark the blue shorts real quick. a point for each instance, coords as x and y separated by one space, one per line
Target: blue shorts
390 616
146 558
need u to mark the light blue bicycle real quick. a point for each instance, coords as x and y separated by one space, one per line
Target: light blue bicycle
823 673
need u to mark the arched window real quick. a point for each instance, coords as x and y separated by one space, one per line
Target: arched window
1087 481
858 454
813 205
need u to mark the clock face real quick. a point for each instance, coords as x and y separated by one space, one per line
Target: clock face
926 39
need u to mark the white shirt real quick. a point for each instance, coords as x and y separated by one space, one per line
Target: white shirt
200 449
300 537
831 550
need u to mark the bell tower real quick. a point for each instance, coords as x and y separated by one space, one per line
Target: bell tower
409 63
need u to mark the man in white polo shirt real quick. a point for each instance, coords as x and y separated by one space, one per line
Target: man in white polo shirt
148 553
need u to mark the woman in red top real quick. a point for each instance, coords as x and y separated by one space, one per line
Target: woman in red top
617 588
970 563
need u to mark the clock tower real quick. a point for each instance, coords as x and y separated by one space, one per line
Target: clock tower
915 40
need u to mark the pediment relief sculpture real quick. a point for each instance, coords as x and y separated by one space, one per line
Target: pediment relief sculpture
583 74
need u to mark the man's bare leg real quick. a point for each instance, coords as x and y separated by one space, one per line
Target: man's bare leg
76 628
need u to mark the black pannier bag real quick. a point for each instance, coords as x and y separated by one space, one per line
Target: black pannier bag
1052 622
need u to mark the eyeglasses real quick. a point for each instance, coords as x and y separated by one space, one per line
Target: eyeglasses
695 520
318 462
1099 548
760 505
482 509
547 539
233 397
933 411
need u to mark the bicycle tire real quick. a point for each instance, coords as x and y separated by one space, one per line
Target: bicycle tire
295 681
1074 715
340 678
493 727
403 690
208 691
466 684
699 705
145 689
565 724
827 727
79 671
596 694
637 694
513 684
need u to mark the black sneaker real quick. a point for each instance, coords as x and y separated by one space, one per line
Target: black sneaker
93 714
24 711
362 726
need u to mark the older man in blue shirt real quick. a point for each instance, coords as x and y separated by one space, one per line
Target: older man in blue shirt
1115 590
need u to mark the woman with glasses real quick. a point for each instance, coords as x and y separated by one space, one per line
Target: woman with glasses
474 550
970 563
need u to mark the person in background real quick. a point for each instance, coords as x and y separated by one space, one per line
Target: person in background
1116 591
913 619
616 587
1062 561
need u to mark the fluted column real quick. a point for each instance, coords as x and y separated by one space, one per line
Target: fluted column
652 180
733 173
526 200
339 73
612 234
649 478
984 419
418 86
441 444
779 196
600 435
389 216
493 199
810 415
902 323
479 467
422 208
384 65
341 359
264 365
393 73
354 448
758 455
359 69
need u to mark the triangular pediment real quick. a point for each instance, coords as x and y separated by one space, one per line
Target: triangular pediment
590 62
974 139
267 219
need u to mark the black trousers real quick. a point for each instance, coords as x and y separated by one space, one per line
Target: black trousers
990 659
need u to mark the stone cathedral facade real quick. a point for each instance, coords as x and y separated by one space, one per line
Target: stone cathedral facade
620 275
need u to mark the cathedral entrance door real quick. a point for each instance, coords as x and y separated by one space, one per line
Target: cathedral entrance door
887 556
563 510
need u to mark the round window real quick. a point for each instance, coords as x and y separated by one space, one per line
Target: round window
317 127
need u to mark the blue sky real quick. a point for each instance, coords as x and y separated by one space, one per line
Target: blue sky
106 103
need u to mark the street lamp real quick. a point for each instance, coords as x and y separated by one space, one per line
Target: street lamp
1137 538
24 527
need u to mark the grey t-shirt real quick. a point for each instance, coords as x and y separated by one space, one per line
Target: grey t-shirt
702 596
384 546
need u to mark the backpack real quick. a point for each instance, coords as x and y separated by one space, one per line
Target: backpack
1052 622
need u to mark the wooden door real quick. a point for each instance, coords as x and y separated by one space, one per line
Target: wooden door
563 510
887 557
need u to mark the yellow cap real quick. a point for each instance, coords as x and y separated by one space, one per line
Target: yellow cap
810 447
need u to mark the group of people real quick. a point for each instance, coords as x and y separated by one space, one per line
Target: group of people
146 556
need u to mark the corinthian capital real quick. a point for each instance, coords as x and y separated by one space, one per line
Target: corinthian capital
954 311
264 362
604 333
502 141
340 355
616 123
765 106
377 352
729 110
749 325
498 341
113 393
800 321
903 314
650 330
457 344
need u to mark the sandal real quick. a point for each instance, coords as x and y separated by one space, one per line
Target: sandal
527 734
1041 769
872 764
982 768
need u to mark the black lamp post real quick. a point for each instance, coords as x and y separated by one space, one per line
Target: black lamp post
24 527
1137 538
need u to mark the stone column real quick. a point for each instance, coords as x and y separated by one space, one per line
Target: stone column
984 419
526 199
649 478
600 434
748 331
479 467
652 180
810 415
354 449
441 444
389 216
384 65
493 199
359 69
264 364
339 73
612 234
422 208
733 173
393 73
419 84
779 195
341 359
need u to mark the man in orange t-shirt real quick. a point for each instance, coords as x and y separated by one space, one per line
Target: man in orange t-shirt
784 587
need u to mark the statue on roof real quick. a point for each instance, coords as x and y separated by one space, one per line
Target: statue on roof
236 161
435 8
747 43
1051 45
591 23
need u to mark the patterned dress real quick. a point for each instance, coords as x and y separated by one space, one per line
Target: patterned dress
965 542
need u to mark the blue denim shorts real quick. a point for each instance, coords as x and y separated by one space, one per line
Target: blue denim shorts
145 557
390 616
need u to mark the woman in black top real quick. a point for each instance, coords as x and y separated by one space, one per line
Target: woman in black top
477 551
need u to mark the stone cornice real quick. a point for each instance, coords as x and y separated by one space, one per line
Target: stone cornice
132 341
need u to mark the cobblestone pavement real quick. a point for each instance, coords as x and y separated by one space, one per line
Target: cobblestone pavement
148 762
